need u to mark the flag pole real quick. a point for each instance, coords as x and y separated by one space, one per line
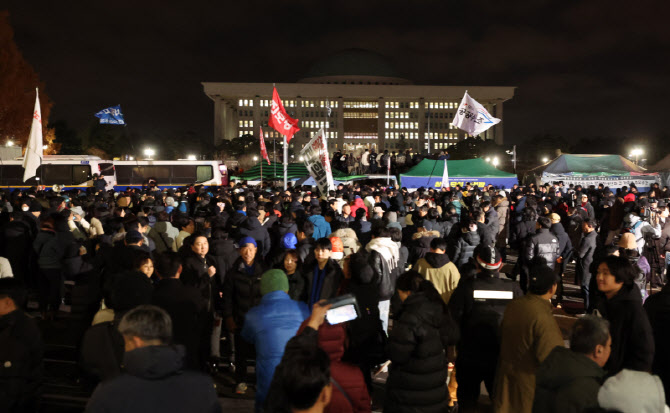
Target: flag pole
285 163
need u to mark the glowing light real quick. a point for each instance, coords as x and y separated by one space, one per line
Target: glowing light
149 152
191 158
10 143
495 161
545 160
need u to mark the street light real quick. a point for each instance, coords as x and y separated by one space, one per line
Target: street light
545 160
255 158
495 161
191 158
45 147
148 152
636 153
488 159
302 158
10 143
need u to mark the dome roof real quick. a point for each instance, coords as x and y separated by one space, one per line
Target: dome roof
353 63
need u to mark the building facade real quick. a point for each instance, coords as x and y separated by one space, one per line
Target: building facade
360 102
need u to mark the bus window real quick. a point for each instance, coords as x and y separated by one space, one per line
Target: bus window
204 173
106 169
56 174
12 175
183 173
80 174
159 172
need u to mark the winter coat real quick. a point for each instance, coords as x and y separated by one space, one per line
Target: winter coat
358 203
640 229
349 240
418 371
564 244
195 272
567 382
502 209
305 249
487 234
420 245
435 225
479 320
253 228
17 248
657 307
529 334
163 234
544 245
50 247
465 246
493 221
21 354
242 290
101 353
438 269
155 382
187 308
363 230
269 326
384 257
585 253
329 286
321 227
331 339
632 337
223 254
520 232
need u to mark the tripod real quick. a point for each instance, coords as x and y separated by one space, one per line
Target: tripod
652 254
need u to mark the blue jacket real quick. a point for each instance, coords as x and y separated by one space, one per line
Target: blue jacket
321 227
269 326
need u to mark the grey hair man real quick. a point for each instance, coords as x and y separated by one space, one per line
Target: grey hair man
154 379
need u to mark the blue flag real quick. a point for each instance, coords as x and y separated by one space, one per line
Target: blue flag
111 115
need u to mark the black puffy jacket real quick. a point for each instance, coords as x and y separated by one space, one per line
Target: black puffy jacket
242 290
384 277
416 381
543 244
564 243
465 247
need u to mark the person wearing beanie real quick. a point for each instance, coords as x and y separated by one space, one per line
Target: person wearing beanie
269 326
479 321
633 392
529 333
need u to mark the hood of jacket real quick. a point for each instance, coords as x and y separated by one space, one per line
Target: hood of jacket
562 366
218 247
430 312
437 260
615 393
558 229
471 238
154 362
331 340
425 234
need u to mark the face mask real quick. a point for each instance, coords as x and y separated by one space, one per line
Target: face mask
25 208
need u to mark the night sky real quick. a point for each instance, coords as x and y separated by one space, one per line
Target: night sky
582 68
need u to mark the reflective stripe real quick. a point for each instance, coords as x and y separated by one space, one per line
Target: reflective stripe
490 294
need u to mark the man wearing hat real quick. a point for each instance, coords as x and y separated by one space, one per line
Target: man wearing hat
270 325
241 292
477 305
529 333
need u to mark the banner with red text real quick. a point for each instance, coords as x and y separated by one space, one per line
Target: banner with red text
279 120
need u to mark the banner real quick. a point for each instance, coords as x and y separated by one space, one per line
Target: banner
473 117
642 182
34 150
264 152
111 116
279 120
437 182
316 159
445 175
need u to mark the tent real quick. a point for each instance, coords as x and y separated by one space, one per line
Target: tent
663 169
428 173
296 170
613 171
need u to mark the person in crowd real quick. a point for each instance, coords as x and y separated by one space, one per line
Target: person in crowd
477 306
384 256
153 378
269 326
464 247
585 254
21 351
416 349
564 255
290 263
437 268
657 307
321 227
320 278
568 380
252 227
163 233
529 333
186 227
632 391
305 245
361 226
185 305
620 302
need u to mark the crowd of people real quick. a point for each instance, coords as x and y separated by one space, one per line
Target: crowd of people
171 282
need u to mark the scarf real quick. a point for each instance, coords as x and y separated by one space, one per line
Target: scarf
387 249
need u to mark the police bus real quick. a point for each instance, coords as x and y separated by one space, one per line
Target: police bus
169 174
59 172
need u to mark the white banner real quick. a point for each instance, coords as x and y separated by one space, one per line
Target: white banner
34 150
473 117
613 182
317 161
445 175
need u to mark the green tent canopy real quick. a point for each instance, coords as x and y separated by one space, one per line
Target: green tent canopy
296 170
429 172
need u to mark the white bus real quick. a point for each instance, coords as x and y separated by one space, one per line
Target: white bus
170 174
61 172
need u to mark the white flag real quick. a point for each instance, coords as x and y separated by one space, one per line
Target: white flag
445 176
315 155
33 156
472 117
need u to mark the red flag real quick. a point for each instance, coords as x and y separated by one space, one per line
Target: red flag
279 120
264 152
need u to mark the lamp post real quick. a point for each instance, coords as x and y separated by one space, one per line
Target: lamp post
149 153
636 153
495 161
545 160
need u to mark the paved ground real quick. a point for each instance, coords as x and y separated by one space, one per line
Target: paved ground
63 392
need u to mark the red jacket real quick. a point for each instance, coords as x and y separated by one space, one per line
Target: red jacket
348 376
358 203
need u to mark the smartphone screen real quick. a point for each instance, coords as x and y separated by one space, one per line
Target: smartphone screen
341 314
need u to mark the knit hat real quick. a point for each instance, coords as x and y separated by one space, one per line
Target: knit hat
247 240
338 248
633 392
555 218
274 280
489 259
627 241
289 241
